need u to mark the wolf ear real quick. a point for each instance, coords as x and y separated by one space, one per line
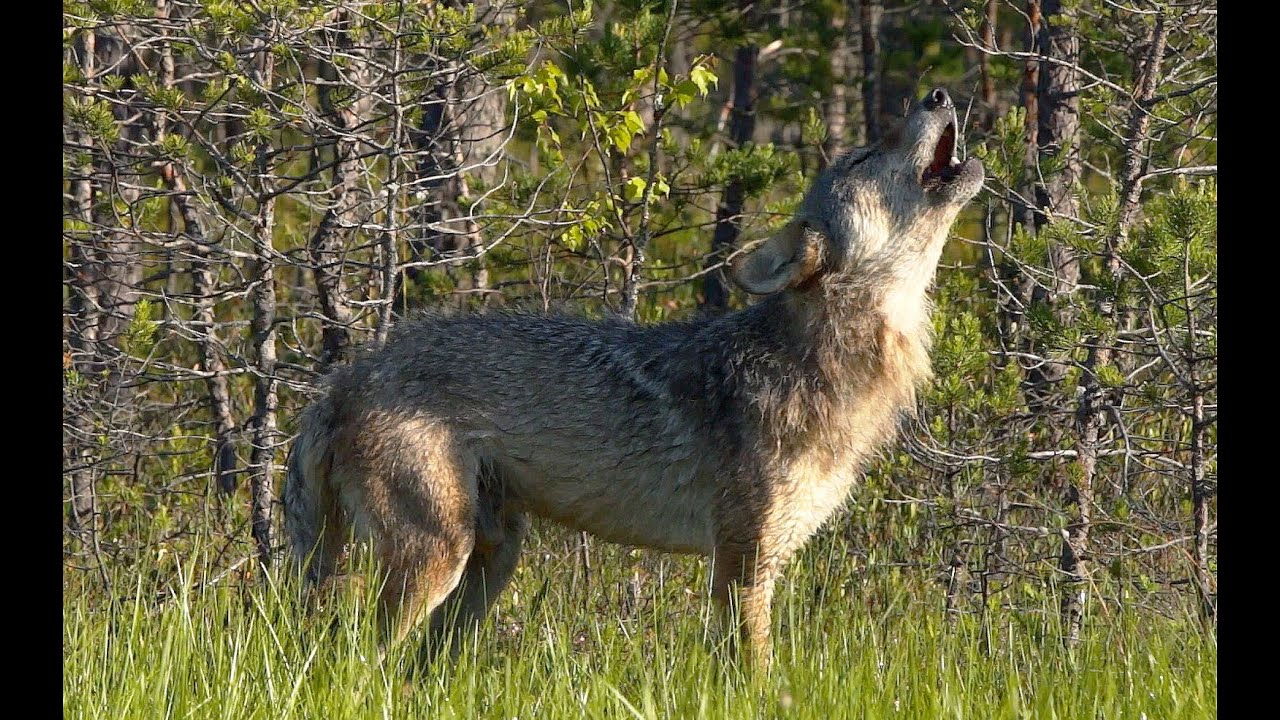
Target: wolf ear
786 260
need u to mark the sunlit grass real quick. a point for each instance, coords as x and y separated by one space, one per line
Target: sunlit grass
849 643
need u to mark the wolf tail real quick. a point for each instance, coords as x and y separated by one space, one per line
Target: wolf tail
313 521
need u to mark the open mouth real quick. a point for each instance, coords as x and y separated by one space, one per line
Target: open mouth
944 167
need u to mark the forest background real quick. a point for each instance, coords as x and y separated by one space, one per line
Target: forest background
254 188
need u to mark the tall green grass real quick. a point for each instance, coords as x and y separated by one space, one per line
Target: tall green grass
850 642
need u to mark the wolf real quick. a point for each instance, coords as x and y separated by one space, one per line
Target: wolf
734 437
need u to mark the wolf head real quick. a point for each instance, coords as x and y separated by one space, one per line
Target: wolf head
877 212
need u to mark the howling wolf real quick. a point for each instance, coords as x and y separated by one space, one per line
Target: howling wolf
735 436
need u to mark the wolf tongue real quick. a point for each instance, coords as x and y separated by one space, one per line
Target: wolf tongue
943 151
943 157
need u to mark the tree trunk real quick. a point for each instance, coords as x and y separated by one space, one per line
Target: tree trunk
1200 494
1092 401
82 332
389 245
728 214
639 241
118 270
837 105
107 273
205 288
1030 93
462 133
990 111
1057 130
263 326
1059 119
869 13
328 245
1079 496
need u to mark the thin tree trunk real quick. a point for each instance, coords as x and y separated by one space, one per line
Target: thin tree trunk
462 131
1136 158
1059 119
640 243
263 326
993 557
441 152
327 244
1021 286
483 137
107 273
1030 92
957 571
1200 494
1079 496
984 65
870 12
1089 414
837 105
1058 128
728 214
85 320
118 268
473 278
429 143
390 240
204 286
1200 491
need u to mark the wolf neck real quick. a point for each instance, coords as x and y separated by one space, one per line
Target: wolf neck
875 332
869 338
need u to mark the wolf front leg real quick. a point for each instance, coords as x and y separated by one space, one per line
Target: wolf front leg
743 576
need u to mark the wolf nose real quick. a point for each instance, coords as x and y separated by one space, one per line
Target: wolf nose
937 98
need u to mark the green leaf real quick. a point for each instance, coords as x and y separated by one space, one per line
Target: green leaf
683 93
703 78
620 138
633 190
631 120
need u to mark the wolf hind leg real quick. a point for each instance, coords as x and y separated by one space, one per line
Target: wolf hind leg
422 522
411 590
500 531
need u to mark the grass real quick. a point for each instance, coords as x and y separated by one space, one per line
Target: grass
850 642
